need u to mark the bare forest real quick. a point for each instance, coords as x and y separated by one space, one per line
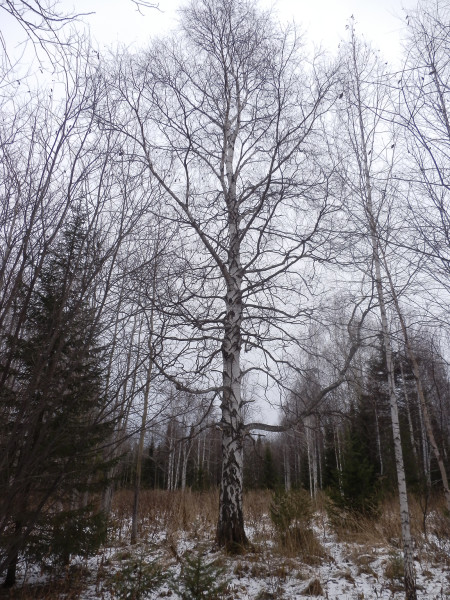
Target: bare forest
224 324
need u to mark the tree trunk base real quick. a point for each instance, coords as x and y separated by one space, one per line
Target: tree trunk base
232 539
10 579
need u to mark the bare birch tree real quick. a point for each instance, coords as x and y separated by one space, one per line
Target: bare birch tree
370 149
226 118
424 112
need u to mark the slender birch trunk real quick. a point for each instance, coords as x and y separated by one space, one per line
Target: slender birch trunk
425 449
170 466
363 158
187 446
380 454
176 478
338 456
120 406
420 392
139 455
408 414
287 469
408 551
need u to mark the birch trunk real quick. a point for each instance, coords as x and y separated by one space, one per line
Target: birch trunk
123 407
420 393
408 414
373 225
170 466
338 455
184 470
176 478
312 454
425 450
139 455
408 554
187 449
380 455
230 526
408 551
287 469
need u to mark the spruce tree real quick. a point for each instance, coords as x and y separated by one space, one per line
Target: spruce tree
358 477
271 478
354 487
57 408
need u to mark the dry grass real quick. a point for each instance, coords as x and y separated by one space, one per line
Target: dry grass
161 510
256 514
68 587
196 514
384 529
168 518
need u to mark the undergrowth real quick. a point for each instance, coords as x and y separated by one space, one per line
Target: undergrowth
177 532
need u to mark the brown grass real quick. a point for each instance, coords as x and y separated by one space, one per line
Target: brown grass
161 510
385 528
172 513
68 587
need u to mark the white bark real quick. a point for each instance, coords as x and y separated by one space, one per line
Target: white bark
230 527
362 137
287 468
380 454
408 414
186 452
425 449
420 392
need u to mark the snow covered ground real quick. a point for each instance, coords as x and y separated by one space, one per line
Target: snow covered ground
346 570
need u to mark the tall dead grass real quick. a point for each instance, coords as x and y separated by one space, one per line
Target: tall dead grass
169 513
165 517
384 529
164 512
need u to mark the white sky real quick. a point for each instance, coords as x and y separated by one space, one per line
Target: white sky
380 21
119 22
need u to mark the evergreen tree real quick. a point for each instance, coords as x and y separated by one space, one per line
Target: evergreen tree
355 486
358 478
58 410
201 580
270 472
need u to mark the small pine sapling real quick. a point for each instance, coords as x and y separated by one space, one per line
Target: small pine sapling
201 580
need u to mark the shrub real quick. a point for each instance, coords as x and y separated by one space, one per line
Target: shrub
290 509
200 580
136 579
67 533
291 513
394 569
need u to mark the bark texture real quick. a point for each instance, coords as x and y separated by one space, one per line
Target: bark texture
230 526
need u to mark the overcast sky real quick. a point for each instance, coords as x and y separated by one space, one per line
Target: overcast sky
113 22
381 21
119 22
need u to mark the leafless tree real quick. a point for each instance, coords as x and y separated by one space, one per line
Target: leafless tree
57 162
369 146
423 90
227 119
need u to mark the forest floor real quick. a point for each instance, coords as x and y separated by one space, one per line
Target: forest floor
176 557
